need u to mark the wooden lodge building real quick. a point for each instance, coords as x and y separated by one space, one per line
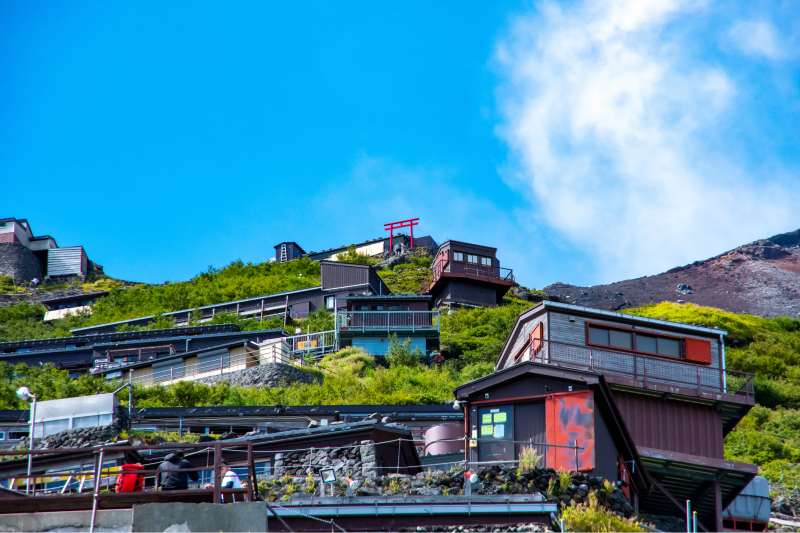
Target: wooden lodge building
619 396
467 274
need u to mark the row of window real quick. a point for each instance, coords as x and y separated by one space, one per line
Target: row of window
393 307
633 340
477 259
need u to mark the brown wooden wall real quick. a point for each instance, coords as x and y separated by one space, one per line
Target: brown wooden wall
672 425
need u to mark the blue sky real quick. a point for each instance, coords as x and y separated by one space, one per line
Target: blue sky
589 141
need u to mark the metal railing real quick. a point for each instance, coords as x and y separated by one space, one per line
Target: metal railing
315 344
387 321
464 267
101 475
642 368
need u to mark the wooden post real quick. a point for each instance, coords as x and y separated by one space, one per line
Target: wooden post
217 477
253 479
171 374
717 506
221 362
262 310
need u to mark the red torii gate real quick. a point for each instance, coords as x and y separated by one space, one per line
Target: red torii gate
410 223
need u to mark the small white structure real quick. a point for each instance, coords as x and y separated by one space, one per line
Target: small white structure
274 351
55 416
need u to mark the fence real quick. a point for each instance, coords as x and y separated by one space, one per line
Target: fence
314 345
388 321
646 369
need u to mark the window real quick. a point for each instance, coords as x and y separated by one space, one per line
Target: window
2 435
472 258
598 336
486 261
330 302
646 343
362 308
458 256
620 339
627 339
396 307
671 347
378 307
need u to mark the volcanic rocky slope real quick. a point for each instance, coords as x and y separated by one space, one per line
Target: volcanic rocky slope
761 278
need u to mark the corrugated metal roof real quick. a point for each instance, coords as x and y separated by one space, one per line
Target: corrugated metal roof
392 297
182 330
84 296
622 316
179 355
211 306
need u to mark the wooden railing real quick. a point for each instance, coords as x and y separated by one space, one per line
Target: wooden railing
440 268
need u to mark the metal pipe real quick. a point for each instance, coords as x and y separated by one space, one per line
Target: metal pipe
30 444
688 516
724 376
98 477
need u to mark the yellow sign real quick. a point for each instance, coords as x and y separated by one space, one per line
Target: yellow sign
486 419
473 443
306 345
499 418
487 430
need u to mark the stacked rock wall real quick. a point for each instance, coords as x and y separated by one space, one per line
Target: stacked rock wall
266 375
19 262
81 437
358 460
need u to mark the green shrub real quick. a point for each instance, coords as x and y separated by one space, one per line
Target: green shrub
590 516
477 334
528 459
401 354
352 256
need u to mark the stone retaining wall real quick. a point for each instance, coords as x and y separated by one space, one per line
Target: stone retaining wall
359 460
19 262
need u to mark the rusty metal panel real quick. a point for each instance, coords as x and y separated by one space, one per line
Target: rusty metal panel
570 422
670 425
698 350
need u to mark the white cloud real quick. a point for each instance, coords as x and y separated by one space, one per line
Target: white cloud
609 118
756 38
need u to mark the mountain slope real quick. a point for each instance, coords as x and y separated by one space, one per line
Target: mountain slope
761 278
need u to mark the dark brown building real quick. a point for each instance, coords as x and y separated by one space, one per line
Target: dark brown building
595 379
467 274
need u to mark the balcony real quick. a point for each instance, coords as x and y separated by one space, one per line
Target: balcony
387 321
627 370
465 269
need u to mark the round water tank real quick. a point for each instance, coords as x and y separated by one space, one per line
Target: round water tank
444 438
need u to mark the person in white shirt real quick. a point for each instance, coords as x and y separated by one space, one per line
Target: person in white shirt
230 479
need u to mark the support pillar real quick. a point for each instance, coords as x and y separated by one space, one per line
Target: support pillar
717 490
